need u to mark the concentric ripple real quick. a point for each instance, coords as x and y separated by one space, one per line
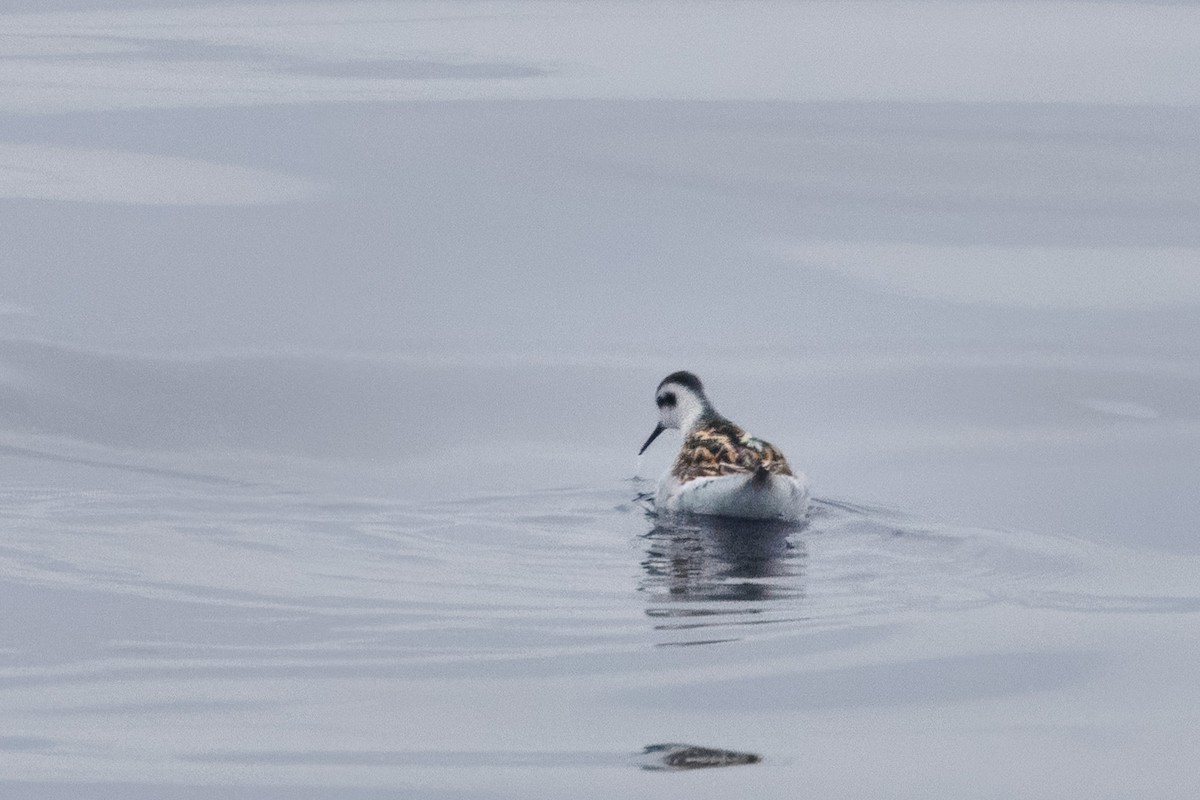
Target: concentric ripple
298 582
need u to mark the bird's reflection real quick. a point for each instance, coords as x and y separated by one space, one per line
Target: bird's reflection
700 568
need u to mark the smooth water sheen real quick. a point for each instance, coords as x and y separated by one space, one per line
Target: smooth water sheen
329 332
511 644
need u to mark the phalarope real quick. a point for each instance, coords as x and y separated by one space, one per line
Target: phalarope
721 470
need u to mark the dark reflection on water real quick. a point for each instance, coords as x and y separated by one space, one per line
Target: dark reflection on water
714 559
703 573
687 756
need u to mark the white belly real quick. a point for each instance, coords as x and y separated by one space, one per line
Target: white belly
781 497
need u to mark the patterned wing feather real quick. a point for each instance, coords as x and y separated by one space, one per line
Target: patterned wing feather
723 448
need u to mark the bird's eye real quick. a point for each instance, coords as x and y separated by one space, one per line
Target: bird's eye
667 399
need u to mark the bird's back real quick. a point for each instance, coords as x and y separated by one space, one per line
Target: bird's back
720 447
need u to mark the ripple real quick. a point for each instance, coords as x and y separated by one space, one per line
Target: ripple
549 577
43 172
209 610
687 756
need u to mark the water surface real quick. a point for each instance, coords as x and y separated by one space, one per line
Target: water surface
328 333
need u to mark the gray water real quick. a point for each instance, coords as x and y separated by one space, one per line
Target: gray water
329 333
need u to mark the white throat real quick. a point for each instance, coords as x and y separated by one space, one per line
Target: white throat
687 411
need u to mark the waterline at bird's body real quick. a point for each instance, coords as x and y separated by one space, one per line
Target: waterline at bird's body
721 470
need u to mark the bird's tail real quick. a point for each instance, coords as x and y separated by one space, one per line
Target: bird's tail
760 477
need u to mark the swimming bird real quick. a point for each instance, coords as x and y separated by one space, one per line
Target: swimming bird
721 470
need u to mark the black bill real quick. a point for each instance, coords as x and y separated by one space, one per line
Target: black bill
657 430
